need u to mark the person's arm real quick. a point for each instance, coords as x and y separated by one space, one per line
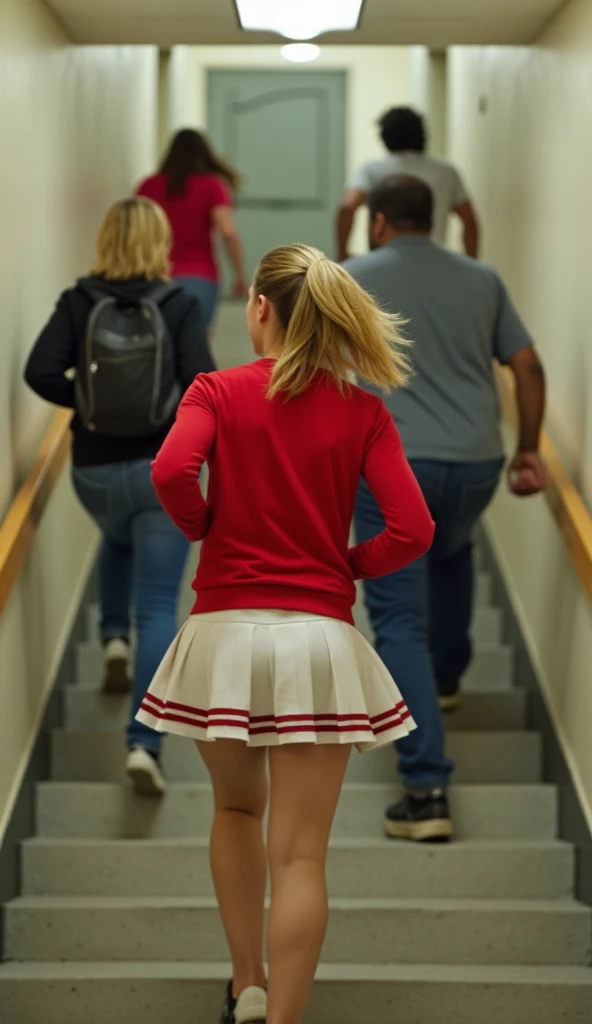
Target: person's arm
471 231
352 199
461 205
526 473
514 347
409 530
224 224
175 471
191 346
53 354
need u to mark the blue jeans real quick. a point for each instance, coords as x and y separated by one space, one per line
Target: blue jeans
421 615
205 291
141 563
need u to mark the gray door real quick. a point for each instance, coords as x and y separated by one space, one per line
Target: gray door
285 131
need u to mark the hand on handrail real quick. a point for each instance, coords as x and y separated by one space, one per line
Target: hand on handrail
527 475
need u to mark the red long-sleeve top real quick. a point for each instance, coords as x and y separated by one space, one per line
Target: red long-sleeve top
283 482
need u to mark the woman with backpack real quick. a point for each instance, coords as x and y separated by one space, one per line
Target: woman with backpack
136 342
195 187
269 669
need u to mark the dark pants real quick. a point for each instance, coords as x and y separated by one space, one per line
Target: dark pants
421 615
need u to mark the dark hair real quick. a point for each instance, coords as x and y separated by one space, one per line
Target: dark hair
406 203
190 152
402 129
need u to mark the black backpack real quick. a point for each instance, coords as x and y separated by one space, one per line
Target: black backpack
126 377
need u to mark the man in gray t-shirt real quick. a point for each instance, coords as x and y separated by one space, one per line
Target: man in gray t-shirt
404 135
460 319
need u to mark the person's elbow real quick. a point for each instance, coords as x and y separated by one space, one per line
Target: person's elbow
228 234
346 210
422 534
165 477
526 366
32 377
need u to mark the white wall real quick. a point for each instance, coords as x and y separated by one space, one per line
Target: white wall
78 129
428 72
527 154
378 77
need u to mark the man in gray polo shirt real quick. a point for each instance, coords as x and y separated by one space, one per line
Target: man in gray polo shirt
461 319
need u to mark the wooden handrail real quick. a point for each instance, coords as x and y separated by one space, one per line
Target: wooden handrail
564 500
18 528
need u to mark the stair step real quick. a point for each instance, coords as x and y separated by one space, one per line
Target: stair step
491 668
111 811
378 931
372 868
483 589
89 709
482 757
487 625
343 994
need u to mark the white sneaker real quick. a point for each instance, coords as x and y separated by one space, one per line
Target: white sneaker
251 1006
143 770
116 674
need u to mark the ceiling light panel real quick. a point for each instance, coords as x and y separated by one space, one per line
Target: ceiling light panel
299 19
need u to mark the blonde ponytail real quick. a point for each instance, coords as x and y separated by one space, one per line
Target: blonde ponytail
331 323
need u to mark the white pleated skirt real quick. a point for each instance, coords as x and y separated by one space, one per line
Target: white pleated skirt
275 677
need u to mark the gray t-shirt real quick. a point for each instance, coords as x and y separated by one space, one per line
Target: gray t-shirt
443 179
460 318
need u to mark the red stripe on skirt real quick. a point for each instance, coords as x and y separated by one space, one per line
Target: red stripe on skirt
397 720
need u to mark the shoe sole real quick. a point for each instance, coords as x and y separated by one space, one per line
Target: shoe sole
450 703
117 677
439 830
145 783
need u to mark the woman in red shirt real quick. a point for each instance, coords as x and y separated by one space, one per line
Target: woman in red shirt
194 187
269 662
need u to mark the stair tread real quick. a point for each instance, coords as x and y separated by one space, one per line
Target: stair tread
337 843
494 788
83 903
507 974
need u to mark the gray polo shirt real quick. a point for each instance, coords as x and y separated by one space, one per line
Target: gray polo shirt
460 318
442 177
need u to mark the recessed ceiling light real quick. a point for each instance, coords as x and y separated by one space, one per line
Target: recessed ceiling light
299 19
301 53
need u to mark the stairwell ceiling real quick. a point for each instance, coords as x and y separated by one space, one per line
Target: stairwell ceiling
436 23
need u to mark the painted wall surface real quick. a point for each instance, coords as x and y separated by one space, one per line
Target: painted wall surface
519 127
78 129
378 77
428 72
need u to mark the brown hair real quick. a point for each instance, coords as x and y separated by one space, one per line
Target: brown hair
330 323
190 152
134 241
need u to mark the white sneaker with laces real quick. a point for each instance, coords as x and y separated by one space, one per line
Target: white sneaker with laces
143 770
116 675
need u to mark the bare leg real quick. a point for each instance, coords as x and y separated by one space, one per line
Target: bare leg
237 852
306 781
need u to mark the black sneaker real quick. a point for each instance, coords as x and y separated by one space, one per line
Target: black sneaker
423 817
249 1008
449 695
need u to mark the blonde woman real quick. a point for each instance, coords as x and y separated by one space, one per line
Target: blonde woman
269 669
130 334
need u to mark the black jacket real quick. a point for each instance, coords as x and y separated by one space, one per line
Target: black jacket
56 351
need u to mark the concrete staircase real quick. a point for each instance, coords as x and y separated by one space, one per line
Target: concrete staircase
117 921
